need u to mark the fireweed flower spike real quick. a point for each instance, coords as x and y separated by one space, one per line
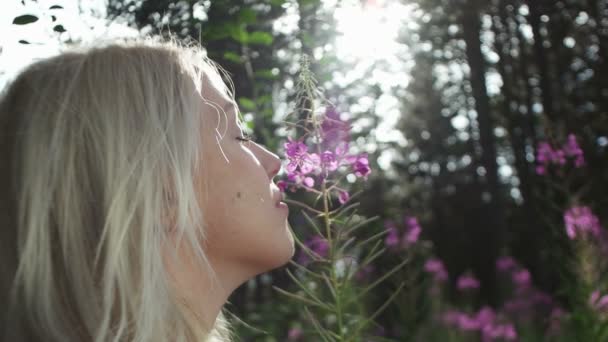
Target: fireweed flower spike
505 263
392 237
467 282
581 221
318 156
412 232
598 302
435 267
485 321
547 154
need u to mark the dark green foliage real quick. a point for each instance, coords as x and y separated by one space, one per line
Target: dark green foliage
25 19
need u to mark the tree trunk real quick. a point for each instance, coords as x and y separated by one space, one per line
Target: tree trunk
491 237
541 59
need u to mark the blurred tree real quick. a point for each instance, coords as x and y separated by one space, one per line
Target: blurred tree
237 34
542 62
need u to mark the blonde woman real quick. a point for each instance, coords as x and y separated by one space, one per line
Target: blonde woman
131 204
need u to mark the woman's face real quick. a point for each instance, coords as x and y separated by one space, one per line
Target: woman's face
246 232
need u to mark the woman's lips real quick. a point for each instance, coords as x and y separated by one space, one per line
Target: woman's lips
282 205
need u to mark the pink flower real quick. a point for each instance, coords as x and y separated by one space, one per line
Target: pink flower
343 196
521 278
505 263
364 272
541 170
504 332
484 321
334 130
328 160
297 154
555 321
299 179
318 245
597 302
546 154
572 149
467 323
392 237
361 166
467 282
581 220
485 316
517 306
282 185
435 267
413 231
294 334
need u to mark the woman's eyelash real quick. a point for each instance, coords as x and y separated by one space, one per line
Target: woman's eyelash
246 137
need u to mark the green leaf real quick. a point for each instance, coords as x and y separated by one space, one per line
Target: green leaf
246 103
299 297
322 332
239 34
277 2
260 37
309 2
25 19
215 32
247 16
56 7
380 309
261 100
265 74
59 28
233 57
379 280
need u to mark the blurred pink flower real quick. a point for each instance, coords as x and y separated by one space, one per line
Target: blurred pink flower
435 267
294 334
580 220
521 278
392 238
334 130
598 302
546 154
412 232
318 245
484 321
343 196
364 272
555 321
572 149
503 332
505 263
467 282
282 185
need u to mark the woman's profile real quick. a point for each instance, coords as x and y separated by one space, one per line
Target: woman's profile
132 205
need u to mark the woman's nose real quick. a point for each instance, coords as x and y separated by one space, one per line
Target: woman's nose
275 165
271 162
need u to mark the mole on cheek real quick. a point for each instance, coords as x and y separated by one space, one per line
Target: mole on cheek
238 194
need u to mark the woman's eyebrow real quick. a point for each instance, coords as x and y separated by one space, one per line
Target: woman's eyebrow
229 106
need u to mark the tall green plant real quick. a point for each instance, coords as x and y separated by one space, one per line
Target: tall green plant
318 162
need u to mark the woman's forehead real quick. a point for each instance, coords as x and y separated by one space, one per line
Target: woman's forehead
218 101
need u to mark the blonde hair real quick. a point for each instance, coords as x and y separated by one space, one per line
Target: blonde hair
99 146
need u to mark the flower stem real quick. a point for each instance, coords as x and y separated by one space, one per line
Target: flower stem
300 204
